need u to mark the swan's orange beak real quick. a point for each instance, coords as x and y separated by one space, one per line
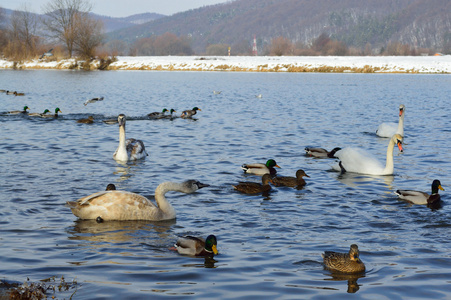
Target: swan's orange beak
400 147
400 112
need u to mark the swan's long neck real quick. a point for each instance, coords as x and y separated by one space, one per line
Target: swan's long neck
401 124
121 149
389 167
163 204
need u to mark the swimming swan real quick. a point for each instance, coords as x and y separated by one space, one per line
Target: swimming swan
128 149
123 205
389 129
359 161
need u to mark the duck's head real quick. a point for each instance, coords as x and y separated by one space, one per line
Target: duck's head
46 111
266 179
401 109
397 138
121 120
301 173
25 108
211 244
354 252
57 110
164 110
271 163
436 185
196 108
172 111
110 187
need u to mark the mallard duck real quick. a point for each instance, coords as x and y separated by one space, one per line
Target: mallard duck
10 93
128 149
171 114
254 187
52 116
89 120
417 197
158 115
110 187
261 169
189 113
110 121
196 246
16 112
39 114
290 181
93 100
123 205
344 262
321 152
390 129
359 161
19 94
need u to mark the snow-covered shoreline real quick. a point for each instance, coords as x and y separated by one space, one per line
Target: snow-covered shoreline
331 64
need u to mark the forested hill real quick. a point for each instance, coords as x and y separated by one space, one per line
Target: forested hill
370 23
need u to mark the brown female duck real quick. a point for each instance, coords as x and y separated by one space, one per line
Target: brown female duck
254 187
291 181
344 262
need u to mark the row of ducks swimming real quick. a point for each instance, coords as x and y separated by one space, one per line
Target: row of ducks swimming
45 114
15 93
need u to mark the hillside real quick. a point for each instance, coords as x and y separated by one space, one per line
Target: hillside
110 23
373 23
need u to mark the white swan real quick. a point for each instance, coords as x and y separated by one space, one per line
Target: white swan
359 161
389 129
128 149
123 205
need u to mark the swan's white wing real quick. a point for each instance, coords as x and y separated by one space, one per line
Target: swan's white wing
387 129
135 149
358 161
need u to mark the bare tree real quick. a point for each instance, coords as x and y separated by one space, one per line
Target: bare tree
60 21
87 35
23 32
3 37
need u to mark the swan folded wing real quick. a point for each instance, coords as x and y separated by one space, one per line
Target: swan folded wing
114 205
135 148
387 129
358 161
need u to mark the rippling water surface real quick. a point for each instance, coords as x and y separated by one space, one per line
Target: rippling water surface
270 246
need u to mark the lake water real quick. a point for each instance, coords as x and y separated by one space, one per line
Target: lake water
270 246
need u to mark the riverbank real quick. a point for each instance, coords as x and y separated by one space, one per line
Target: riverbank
329 64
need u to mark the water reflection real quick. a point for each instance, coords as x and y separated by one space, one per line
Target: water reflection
354 180
209 263
119 231
353 286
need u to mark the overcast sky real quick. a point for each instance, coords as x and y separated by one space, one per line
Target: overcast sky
121 8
